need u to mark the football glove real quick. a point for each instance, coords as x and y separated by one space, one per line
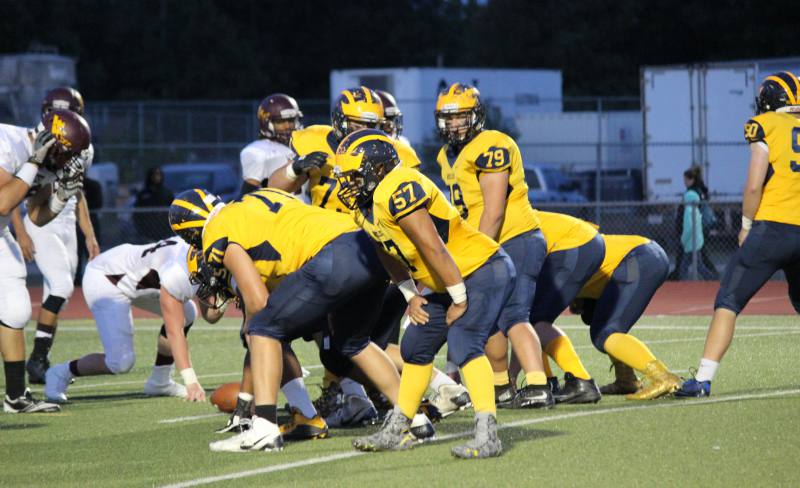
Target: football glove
41 146
303 164
64 188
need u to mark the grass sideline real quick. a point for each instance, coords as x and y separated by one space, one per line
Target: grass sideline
747 433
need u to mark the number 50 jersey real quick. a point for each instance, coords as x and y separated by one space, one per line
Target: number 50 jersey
404 191
489 152
279 232
779 132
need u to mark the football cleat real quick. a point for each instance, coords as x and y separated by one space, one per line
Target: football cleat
692 388
381 403
625 382
37 366
299 427
430 410
394 435
504 395
660 382
533 396
263 436
240 419
485 443
328 400
577 390
27 404
353 411
57 380
552 382
422 428
449 399
164 387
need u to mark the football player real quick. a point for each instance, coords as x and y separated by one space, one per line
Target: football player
483 169
315 146
612 301
278 117
392 123
154 277
575 252
42 168
57 241
293 264
423 237
770 236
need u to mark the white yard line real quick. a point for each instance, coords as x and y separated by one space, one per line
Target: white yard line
510 425
709 306
193 417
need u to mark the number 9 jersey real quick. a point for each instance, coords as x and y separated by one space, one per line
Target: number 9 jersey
489 152
779 134
404 191
279 232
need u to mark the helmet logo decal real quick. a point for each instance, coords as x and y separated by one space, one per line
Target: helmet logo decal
58 131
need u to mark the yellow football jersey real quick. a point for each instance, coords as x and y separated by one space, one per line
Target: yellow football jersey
564 231
617 247
489 152
322 184
402 192
279 232
781 133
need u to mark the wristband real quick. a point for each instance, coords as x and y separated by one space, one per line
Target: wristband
189 377
27 173
408 289
746 223
290 172
458 293
55 204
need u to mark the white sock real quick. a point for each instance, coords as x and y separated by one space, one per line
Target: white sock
297 396
162 374
707 370
41 333
246 397
440 379
350 387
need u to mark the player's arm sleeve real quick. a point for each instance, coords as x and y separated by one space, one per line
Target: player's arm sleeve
496 158
175 281
408 197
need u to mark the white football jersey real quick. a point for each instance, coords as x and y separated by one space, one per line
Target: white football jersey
141 271
262 157
15 149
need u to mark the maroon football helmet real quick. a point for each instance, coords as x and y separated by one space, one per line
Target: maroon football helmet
279 116
62 98
392 122
72 135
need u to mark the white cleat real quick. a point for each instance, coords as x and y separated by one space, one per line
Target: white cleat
56 381
449 399
151 388
262 436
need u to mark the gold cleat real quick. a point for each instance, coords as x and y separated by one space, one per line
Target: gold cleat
300 427
661 382
626 381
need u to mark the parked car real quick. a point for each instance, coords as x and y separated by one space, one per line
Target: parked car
551 185
221 179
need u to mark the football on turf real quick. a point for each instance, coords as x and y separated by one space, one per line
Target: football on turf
224 397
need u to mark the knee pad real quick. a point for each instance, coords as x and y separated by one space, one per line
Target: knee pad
16 318
121 364
54 304
414 353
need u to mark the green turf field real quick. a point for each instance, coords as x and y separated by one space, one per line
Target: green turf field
746 434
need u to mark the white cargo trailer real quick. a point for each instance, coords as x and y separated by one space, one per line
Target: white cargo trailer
25 78
694 115
513 91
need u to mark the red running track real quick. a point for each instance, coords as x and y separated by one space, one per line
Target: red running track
673 298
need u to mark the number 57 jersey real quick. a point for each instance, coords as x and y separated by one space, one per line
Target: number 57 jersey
279 232
779 134
404 191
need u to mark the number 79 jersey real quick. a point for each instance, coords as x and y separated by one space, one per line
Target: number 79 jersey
279 232
780 133
404 191
489 152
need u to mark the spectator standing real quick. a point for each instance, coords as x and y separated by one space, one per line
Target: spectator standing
692 227
153 226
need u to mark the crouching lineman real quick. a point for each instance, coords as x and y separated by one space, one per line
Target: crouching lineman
152 277
43 165
612 301
471 279
296 266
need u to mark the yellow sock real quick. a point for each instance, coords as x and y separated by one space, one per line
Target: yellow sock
477 376
629 350
413 383
535 378
547 371
501 378
329 378
563 353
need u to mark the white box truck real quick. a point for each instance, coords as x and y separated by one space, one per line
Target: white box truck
695 115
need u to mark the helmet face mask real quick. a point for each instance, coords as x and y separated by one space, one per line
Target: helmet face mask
459 114
370 156
213 289
279 116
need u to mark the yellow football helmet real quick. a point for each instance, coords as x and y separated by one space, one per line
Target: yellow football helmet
456 102
356 108
362 160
